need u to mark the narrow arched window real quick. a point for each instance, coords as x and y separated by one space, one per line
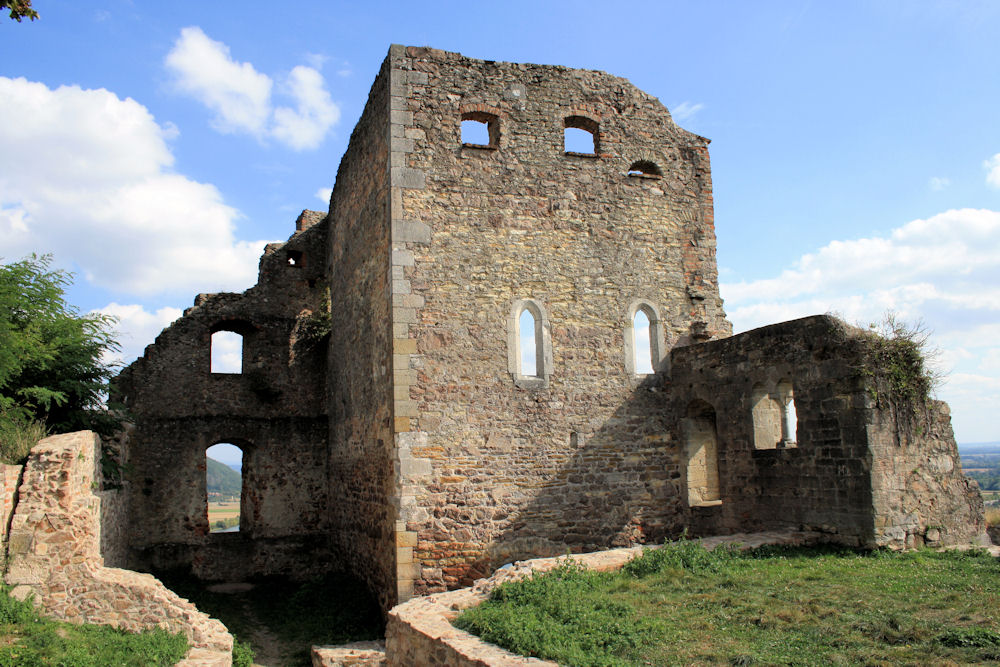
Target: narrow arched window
223 487
643 344
644 340
227 352
581 136
529 350
527 334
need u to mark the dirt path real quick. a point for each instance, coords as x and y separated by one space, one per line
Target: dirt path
269 649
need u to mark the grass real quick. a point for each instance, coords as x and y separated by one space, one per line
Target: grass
333 609
28 639
682 605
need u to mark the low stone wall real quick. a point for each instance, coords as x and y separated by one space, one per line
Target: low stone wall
420 633
358 654
54 555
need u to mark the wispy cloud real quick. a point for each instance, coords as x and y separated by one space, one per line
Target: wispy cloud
241 97
685 111
939 183
324 194
992 167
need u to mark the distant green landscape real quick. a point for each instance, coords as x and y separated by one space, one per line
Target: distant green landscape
223 480
983 465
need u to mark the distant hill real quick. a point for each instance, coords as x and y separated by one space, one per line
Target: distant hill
978 447
220 478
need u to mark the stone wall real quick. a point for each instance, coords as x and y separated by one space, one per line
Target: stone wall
500 467
842 472
415 447
54 554
919 492
361 476
10 477
274 410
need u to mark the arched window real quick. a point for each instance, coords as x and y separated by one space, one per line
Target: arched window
529 347
702 448
480 129
527 332
644 340
227 352
581 136
223 487
775 423
644 168
789 419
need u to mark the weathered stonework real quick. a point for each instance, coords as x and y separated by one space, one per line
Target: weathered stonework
417 449
275 410
847 474
54 554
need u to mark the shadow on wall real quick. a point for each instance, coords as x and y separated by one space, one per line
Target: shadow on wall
698 452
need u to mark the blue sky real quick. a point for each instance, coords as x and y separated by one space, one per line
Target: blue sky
154 148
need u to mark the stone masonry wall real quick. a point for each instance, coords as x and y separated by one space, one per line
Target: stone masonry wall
494 470
919 492
823 483
844 475
274 410
54 553
361 478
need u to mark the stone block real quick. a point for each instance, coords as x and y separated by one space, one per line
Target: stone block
410 231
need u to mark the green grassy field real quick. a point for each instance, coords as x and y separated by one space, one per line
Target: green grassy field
683 605
28 639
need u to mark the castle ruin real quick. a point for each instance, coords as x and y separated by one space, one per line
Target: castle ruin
389 422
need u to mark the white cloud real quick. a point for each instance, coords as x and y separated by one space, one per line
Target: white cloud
240 96
87 177
939 183
138 327
992 167
943 270
315 113
685 111
324 194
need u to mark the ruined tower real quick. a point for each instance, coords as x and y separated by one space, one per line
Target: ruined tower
526 354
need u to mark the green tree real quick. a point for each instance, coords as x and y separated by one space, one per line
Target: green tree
53 366
19 9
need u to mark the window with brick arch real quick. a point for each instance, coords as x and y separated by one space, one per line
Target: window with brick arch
480 129
581 136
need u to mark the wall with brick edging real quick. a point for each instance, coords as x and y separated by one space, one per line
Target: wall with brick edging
55 555
420 633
